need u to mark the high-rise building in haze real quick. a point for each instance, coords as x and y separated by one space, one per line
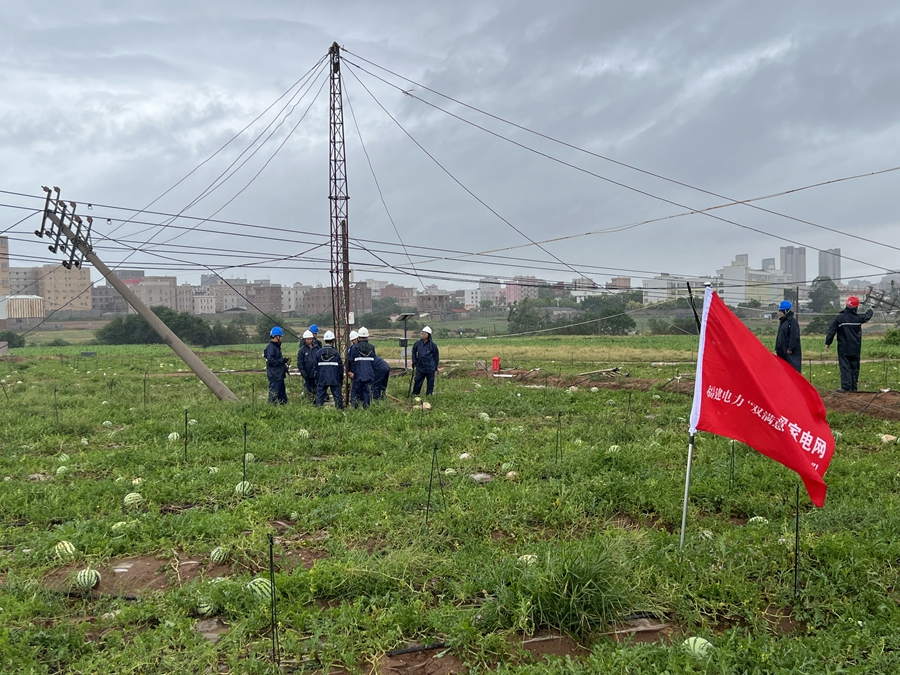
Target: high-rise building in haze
830 264
793 262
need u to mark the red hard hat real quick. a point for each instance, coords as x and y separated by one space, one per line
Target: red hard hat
852 301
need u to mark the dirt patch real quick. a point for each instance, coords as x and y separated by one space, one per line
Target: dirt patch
644 631
134 577
430 662
211 629
552 644
781 620
130 577
882 404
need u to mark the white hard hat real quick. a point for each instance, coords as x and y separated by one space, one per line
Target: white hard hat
329 335
307 334
363 332
353 335
427 329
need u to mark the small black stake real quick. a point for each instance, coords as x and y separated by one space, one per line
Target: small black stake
185 434
797 547
276 657
244 479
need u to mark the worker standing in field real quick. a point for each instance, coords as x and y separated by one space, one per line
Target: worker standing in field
329 373
276 367
306 363
360 362
314 329
787 343
847 326
425 358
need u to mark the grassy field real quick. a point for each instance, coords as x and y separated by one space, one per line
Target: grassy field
581 541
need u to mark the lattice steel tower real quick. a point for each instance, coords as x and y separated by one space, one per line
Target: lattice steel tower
340 253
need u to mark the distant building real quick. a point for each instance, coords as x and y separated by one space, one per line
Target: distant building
107 300
5 288
739 283
522 287
742 259
23 280
264 298
431 302
619 284
292 297
490 289
317 302
830 264
793 263
664 287
406 297
768 264
156 291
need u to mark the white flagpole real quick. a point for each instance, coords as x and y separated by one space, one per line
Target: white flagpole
695 406
687 490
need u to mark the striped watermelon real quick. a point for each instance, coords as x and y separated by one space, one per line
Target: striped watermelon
218 555
87 579
244 488
64 549
261 589
133 500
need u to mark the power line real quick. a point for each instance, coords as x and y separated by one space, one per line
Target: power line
460 183
604 157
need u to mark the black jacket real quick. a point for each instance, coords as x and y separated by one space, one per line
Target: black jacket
306 360
361 361
425 356
848 327
788 340
276 369
329 369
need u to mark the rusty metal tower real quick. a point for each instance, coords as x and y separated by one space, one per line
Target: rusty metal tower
340 252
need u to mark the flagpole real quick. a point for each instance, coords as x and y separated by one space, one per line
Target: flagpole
690 457
687 490
797 546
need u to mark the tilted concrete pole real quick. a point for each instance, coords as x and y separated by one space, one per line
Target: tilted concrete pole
216 386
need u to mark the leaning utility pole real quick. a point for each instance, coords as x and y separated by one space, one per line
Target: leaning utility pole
63 220
340 250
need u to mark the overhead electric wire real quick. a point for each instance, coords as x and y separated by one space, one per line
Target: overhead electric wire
232 139
604 157
218 183
377 184
596 175
460 183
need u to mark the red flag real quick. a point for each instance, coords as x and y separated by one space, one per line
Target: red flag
745 392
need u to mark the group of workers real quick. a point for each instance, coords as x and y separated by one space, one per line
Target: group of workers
322 367
846 326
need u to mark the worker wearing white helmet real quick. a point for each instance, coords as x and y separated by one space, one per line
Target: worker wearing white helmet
306 363
425 358
329 373
360 367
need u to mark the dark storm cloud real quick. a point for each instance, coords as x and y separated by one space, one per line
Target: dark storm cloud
117 101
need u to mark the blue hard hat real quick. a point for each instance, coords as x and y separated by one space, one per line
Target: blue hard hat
785 305
314 329
276 331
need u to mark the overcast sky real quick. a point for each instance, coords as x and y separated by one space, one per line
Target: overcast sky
116 101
